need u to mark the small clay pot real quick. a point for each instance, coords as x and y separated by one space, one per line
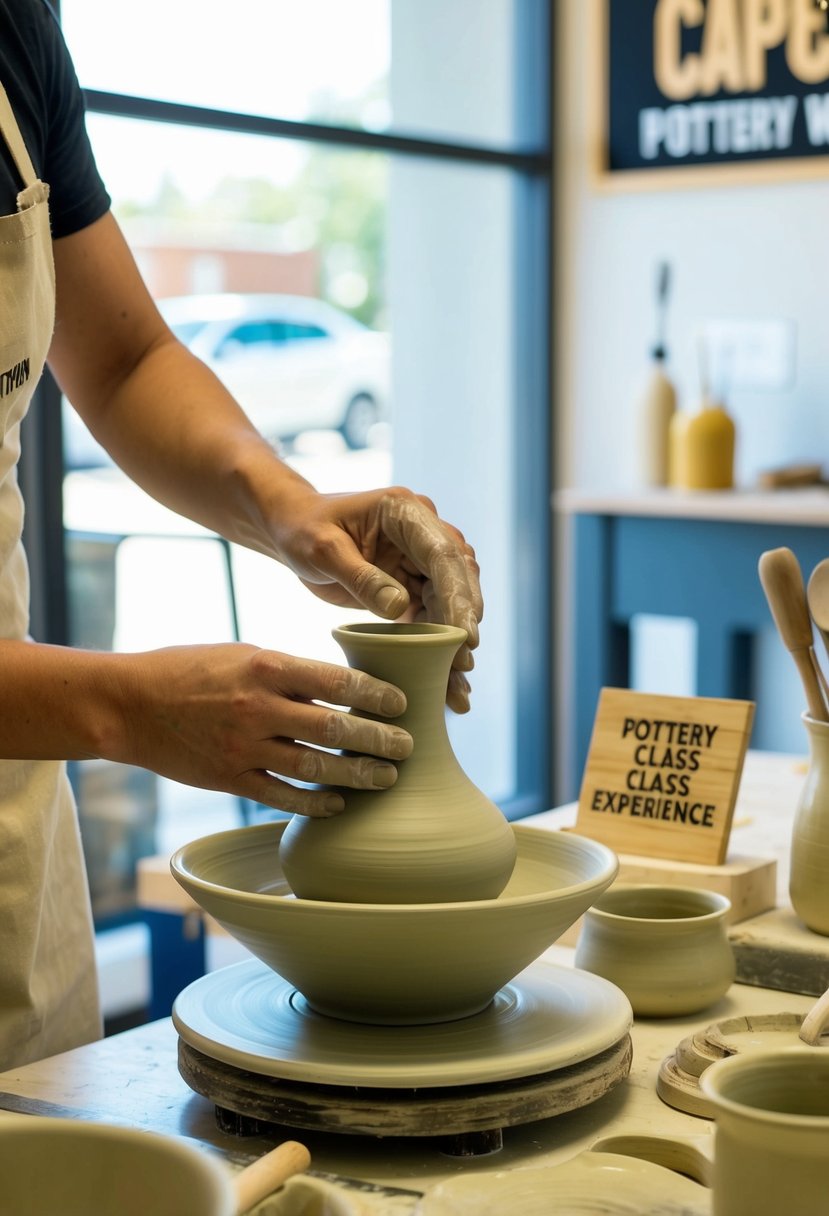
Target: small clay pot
665 947
771 1145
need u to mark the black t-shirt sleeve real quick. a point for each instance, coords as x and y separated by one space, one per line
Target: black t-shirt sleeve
39 77
77 195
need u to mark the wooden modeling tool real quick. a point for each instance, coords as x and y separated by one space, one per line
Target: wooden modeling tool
263 1176
818 598
782 582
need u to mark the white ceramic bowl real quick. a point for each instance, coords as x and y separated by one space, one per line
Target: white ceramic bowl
402 964
64 1167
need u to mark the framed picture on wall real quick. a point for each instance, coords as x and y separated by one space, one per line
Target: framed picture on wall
709 91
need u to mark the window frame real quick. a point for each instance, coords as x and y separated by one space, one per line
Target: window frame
531 169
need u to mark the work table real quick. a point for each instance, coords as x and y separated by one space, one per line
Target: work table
132 1078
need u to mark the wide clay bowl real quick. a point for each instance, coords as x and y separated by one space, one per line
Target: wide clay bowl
402 964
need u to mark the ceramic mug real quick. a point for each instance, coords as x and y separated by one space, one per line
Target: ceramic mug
665 947
771 1145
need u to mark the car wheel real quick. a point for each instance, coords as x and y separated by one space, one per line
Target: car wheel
360 417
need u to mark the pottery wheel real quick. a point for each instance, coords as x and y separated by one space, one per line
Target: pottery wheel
553 1039
677 1082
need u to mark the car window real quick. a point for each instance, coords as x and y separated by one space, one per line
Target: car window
295 331
248 334
186 331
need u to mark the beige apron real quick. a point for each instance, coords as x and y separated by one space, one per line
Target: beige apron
48 986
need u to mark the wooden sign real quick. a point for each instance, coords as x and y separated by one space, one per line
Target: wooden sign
662 774
720 90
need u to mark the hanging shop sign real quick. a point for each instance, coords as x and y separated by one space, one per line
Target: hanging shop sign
711 88
662 774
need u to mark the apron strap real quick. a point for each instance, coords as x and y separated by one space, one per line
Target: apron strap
14 140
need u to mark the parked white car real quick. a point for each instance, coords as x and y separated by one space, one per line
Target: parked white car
293 363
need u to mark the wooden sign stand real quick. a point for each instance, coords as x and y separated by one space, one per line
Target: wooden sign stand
664 844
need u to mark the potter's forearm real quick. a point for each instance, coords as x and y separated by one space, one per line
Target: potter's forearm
60 704
160 412
194 450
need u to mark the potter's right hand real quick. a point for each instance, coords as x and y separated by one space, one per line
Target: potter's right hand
235 718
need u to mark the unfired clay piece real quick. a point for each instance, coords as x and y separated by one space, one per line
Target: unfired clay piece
394 963
548 1017
598 1184
666 947
433 836
73 1168
771 1144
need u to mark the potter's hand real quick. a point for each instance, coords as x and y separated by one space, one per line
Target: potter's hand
387 551
235 718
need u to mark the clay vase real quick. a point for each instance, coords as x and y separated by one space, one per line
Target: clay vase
665 947
433 837
809 862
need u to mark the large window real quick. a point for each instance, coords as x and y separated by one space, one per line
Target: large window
343 206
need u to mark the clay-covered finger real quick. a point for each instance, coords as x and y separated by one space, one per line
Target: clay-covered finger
319 767
329 682
269 790
418 533
458 692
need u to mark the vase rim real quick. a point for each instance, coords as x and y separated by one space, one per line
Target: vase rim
816 724
386 633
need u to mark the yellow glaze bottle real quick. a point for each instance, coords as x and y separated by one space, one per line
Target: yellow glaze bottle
702 448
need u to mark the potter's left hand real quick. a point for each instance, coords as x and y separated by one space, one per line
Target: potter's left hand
387 551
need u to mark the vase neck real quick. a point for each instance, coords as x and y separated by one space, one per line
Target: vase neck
419 666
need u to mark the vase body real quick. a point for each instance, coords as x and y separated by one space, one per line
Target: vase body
665 947
433 837
809 864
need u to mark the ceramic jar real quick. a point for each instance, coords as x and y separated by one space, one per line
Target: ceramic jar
771 1144
665 947
809 863
433 837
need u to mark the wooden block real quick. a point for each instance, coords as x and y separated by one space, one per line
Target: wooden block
157 890
788 476
776 950
749 882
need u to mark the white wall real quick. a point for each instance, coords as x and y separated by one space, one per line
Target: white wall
745 252
753 251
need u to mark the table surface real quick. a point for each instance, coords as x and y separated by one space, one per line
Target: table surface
133 1077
